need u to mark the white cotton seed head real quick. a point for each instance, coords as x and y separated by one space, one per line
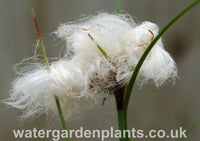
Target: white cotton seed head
88 78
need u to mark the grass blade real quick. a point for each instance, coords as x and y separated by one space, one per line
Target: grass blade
142 59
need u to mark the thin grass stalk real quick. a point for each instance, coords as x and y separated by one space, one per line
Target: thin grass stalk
48 68
143 57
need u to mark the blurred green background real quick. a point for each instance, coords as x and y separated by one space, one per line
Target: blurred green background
150 108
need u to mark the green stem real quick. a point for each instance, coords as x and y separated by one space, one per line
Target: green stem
121 122
122 119
117 6
99 47
48 68
139 64
45 57
62 120
119 95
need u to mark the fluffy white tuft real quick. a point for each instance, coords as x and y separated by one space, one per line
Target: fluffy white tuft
88 78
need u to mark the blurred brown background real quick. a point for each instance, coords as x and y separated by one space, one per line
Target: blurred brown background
166 108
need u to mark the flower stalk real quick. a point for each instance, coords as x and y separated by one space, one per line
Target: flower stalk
117 6
48 68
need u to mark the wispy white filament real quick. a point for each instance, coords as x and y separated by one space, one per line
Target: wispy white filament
88 77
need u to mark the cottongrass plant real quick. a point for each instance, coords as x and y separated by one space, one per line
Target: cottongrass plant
108 52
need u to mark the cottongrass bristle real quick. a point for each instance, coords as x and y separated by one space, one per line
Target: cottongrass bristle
88 78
